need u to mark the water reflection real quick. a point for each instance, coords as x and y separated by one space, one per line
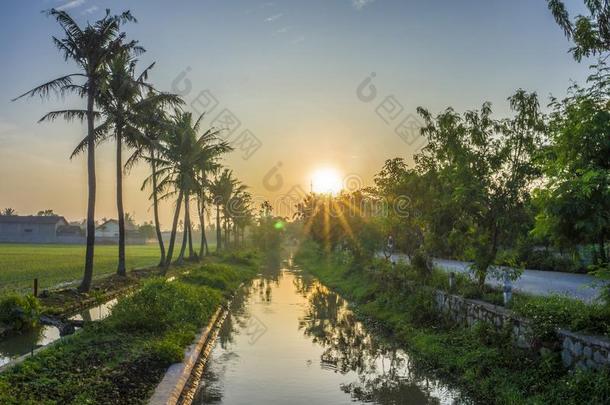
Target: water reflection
313 351
17 345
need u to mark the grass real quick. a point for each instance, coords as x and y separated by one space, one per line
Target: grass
482 362
55 264
122 358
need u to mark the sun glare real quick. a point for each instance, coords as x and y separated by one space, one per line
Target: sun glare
326 181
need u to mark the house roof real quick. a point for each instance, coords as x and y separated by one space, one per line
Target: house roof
128 226
32 219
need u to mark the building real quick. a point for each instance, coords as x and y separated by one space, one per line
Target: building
108 232
37 229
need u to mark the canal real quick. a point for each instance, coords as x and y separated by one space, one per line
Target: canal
290 340
17 345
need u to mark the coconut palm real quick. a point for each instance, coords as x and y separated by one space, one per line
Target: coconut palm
92 48
241 213
119 92
154 124
184 155
224 187
208 164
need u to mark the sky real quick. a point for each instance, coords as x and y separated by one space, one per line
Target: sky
298 85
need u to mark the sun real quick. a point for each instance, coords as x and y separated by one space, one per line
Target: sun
326 181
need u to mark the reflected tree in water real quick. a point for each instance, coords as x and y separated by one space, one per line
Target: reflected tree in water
385 373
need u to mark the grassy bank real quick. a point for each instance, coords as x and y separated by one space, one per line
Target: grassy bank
482 362
122 358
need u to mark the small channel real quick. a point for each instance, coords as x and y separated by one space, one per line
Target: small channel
290 340
17 345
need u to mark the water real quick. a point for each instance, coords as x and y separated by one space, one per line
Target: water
289 340
17 345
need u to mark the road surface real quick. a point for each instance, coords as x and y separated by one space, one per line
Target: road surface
581 286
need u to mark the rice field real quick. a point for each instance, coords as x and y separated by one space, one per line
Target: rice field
54 264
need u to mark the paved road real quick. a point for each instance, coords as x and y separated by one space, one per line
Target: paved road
537 282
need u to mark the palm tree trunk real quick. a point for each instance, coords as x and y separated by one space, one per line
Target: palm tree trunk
203 247
153 165
218 230
172 239
180 258
91 182
190 230
226 239
235 235
121 271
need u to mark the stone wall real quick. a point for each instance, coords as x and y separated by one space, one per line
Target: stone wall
578 351
467 312
582 351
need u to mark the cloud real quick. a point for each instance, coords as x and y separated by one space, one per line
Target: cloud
298 40
360 4
90 10
71 4
273 17
282 30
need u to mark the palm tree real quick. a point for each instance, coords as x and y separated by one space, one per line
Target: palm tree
119 92
242 215
154 124
208 164
223 188
91 48
184 156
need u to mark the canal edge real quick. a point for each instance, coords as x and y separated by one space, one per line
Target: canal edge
178 376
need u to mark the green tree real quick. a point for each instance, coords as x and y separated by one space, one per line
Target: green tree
154 123
591 34
486 167
92 48
224 186
575 200
183 157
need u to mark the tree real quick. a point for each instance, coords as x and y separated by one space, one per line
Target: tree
122 106
184 155
223 188
485 168
147 229
591 34
119 94
155 124
8 212
46 213
575 201
91 48
404 192
241 213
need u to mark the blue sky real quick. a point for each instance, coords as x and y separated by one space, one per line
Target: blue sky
288 70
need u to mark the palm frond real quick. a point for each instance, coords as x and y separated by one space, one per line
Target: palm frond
99 133
58 86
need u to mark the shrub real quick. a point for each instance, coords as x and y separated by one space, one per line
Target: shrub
549 313
422 264
247 258
160 306
549 261
219 276
169 350
19 311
